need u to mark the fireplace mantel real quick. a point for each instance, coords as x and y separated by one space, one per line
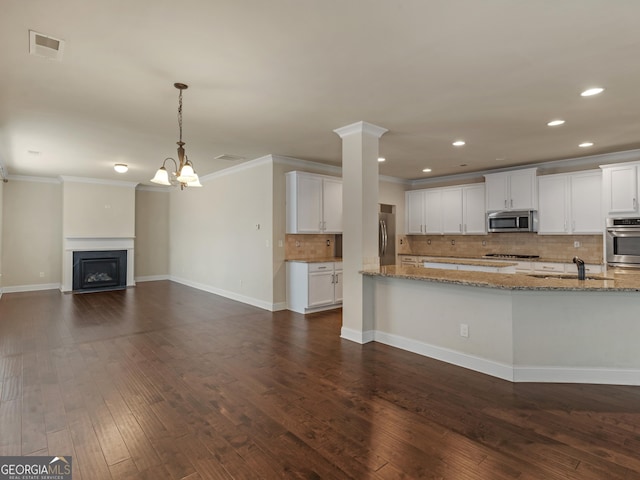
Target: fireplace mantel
83 243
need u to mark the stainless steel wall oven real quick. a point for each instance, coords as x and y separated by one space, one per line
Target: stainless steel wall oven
622 242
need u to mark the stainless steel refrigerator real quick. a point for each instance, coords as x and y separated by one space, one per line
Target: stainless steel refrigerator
387 235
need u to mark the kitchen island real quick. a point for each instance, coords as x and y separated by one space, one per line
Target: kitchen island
518 327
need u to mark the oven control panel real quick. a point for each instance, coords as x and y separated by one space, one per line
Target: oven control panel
623 222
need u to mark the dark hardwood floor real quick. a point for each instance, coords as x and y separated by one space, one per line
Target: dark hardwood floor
164 381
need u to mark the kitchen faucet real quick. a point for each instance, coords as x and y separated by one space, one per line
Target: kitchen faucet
580 263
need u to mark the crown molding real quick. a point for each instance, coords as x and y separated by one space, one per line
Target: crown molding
401 181
361 127
28 178
298 163
98 181
592 161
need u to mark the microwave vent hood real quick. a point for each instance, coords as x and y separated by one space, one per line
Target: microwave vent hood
512 221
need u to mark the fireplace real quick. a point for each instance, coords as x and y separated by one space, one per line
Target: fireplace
99 270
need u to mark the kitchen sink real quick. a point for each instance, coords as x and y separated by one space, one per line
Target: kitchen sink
567 276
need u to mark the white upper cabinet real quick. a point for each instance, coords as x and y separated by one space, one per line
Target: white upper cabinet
448 210
620 188
516 190
552 204
433 211
586 203
451 210
332 205
423 212
474 210
570 203
314 203
414 207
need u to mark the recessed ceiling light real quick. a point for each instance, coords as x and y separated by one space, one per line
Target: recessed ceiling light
592 91
586 144
555 123
120 167
381 159
458 143
426 170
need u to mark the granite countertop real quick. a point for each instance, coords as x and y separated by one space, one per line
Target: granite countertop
458 259
617 280
314 260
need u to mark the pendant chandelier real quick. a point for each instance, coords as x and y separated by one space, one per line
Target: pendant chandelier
184 174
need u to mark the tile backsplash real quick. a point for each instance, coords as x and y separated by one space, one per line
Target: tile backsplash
310 247
552 247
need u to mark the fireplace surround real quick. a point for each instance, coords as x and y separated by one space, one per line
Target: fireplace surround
84 244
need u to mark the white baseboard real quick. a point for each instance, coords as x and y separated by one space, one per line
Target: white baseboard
31 288
152 278
279 306
356 335
603 376
478 364
272 307
512 373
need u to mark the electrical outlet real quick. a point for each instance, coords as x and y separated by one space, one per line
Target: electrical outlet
280 243
576 244
453 242
297 243
328 243
41 274
464 330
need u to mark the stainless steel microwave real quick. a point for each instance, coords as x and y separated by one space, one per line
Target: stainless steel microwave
513 221
623 242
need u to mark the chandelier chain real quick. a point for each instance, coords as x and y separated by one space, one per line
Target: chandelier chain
180 114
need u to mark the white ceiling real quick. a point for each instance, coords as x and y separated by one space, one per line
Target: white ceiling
278 77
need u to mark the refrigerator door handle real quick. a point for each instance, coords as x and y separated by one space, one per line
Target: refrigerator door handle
380 238
385 236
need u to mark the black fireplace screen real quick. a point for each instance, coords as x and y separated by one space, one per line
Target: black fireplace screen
99 270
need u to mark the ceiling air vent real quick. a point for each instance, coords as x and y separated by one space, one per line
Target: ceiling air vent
229 158
45 46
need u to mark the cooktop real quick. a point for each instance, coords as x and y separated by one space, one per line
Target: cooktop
509 255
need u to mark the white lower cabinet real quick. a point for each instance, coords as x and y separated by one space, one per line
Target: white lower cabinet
312 287
470 268
554 268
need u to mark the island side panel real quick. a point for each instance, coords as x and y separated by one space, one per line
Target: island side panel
425 317
586 337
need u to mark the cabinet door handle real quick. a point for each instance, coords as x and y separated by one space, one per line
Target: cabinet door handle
460 227
505 203
512 203
333 277
321 268
336 278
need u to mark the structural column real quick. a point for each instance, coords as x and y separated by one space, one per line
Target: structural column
360 224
